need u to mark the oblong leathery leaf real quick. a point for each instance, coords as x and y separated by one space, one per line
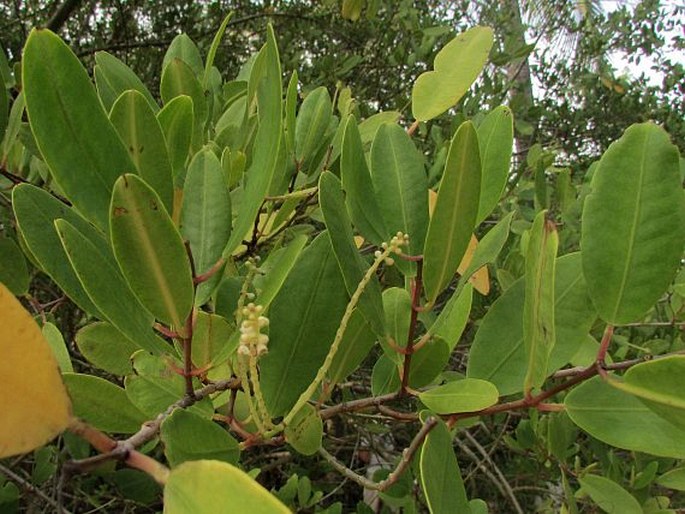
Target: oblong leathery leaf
61 102
35 211
453 317
140 131
633 224
397 307
622 420
440 475
360 200
106 347
150 251
13 270
187 436
103 404
657 384
211 54
178 79
495 140
206 216
35 405
4 110
210 486
267 143
176 120
184 49
489 247
456 67
276 268
108 290
56 342
609 496
304 319
466 395
455 212
539 303
498 354
211 334
353 267
113 77
400 184
312 124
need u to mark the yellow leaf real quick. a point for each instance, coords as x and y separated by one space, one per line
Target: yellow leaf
34 403
481 278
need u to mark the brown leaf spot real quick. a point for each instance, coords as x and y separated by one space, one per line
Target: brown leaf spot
120 211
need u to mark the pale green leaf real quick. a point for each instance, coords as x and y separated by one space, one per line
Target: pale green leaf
466 395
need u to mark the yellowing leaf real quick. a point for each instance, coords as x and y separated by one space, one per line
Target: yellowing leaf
481 278
34 403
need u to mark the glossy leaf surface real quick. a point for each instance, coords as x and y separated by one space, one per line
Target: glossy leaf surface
150 251
633 224
304 319
455 68
622 420
466 395
213 487
187 437
140 131
61 102
176 120
455 212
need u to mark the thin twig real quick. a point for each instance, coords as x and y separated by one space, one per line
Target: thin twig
32 488
508 491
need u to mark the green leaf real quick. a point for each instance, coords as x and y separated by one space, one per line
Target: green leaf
213 487
440 475
369 126
266 144
176 120
206 217
13 270
454 217
354 347
384 378
361 200
609 496
4 110
102 404
75 137
59 348
633 224
428 362
187 436
495 140
456 67
150 251
290 122
622 420
183 49
305 431
498 354
156 385
489 247
313 121
14 125
113 77
539 304
276 268
108 290
35 211
673 479
397 307
657 384
211 336
400 184
106 347
304 318
140 131
213 49
466 395
352 265
178 79
453 317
